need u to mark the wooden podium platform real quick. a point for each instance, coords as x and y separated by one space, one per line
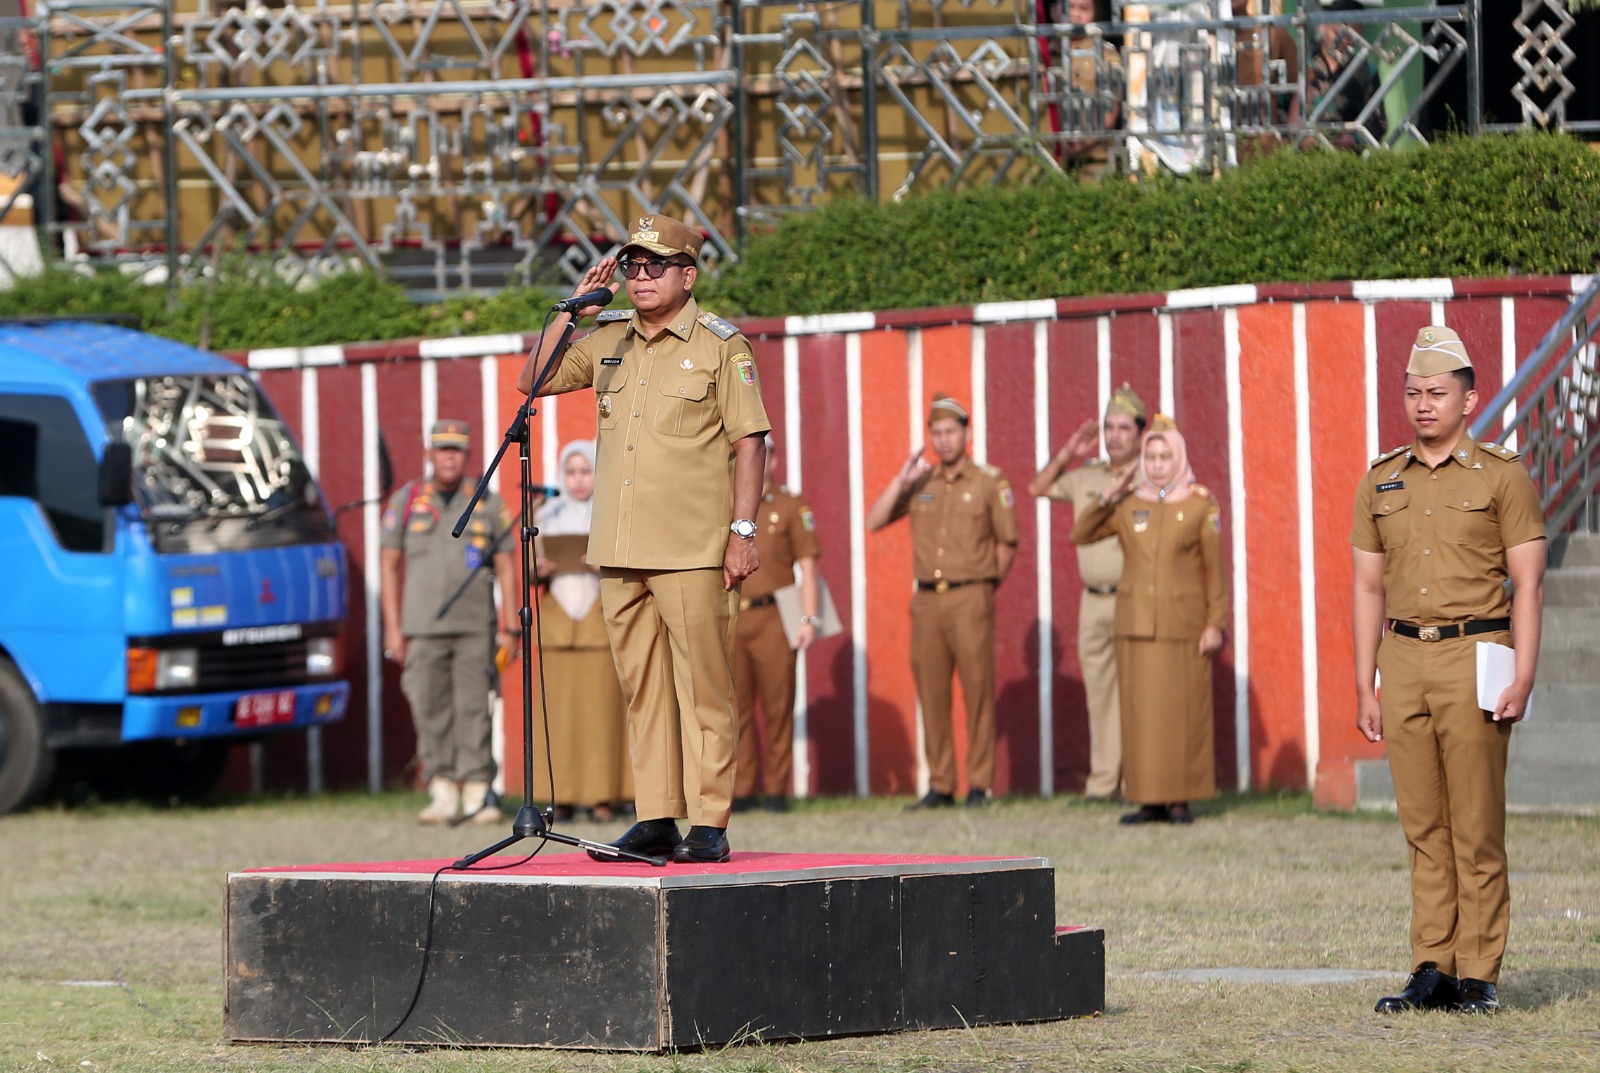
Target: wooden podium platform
565 952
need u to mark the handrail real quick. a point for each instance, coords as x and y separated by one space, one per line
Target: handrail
1556 422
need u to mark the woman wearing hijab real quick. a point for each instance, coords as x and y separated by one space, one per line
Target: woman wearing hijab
1172 602
588 721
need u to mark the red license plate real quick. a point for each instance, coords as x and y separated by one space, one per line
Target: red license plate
264 709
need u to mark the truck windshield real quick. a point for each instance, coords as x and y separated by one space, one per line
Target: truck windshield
214 466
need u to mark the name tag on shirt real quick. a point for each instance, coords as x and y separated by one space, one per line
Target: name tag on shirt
925 497
610 361
1392 486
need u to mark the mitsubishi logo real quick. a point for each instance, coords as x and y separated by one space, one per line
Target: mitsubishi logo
266 596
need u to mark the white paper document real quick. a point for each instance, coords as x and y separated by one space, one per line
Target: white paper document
1497 669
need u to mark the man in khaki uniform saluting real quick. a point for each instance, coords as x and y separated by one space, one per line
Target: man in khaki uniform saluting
1099 566
763 661
677 484
963 539
1440 525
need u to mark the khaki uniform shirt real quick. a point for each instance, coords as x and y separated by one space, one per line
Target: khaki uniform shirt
1100 563
786 532
669 410
418 523
1444 532
958 525
1172 586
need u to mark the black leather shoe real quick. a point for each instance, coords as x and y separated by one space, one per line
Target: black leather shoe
977 798
776 803
1147 814
1179 814
1478 996
932 799
745 804
702 845
651 838
1427 989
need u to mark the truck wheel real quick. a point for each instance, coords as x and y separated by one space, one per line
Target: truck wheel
26 763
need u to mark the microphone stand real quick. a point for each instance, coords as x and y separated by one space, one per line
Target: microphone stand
530 822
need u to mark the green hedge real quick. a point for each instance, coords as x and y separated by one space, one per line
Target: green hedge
1492 206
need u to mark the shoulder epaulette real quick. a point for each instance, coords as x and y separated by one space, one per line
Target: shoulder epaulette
1198 489
719 327
1101 463
1501 451
610 316
992 472
1388 455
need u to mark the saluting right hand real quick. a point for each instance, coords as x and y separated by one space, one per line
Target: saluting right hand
1083 443
914 468
598 276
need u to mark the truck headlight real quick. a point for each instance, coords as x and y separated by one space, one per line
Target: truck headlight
161 670
322 657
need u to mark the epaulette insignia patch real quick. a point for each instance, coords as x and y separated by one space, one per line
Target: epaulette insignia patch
719 327
1386 455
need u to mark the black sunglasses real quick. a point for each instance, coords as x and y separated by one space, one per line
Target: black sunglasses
652 268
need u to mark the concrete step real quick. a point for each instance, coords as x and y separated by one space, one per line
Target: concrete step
1575 549
1559 665
1573 586
1530 787
1557 745
1567 702
1569 627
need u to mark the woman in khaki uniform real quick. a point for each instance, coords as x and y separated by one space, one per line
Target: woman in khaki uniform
1172 603
588 724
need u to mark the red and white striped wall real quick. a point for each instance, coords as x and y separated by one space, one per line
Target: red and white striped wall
1284 393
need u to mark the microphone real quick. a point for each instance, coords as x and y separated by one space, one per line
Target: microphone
549 491
600 297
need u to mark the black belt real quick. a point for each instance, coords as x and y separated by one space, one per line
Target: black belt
1109 590
759 601
1444 633
943 585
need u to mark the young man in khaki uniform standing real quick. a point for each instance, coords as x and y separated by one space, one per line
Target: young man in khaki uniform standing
1440 525
1100 566
963 539
447 659
763 661
677 485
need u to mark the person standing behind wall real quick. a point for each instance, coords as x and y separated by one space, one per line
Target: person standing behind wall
1440 525
963 540
447 659
1100 567
763 661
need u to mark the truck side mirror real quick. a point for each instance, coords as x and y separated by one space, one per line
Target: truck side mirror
116 475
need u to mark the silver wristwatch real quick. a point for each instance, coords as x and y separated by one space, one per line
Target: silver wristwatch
744 527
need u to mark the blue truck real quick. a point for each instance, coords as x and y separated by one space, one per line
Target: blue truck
170 580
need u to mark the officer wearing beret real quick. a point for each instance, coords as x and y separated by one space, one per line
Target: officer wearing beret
963 540
1099 567
677 486
1441 525
447 658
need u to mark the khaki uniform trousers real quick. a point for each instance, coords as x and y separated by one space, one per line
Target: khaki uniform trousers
764 663
1448 761
954 631
1097 657
672 638
446 681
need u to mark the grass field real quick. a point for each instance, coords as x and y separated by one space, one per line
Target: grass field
111 938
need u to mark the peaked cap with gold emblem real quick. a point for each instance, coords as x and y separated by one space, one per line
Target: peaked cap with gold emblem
450 432
1437 350
663 235
1125 400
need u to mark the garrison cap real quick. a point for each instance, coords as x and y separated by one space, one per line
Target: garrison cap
450 432
663 235
945 406
1437 350
1125 401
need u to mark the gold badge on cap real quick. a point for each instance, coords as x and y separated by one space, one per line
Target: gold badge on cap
1428 337
647 223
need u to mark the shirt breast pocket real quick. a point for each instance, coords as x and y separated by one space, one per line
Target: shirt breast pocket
1470 521
1391 515
686 406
